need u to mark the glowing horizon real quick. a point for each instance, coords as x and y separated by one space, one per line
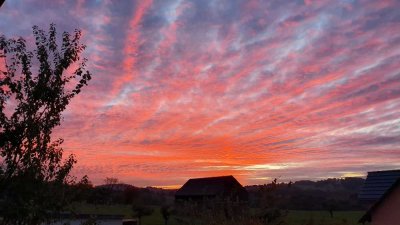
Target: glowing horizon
255 89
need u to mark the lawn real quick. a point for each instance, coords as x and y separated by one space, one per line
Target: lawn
293 217
126 210
102 209
323 218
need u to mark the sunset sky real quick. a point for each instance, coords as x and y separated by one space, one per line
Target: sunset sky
255 89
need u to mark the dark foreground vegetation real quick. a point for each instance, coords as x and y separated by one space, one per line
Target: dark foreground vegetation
293 217
330 194
331 201
35 88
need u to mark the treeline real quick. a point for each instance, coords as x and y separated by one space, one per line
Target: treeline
113 192
329 194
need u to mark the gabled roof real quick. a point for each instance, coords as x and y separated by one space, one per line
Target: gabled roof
367 215
209 186
377 183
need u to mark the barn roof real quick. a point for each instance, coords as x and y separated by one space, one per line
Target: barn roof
377 183
208 186
367 216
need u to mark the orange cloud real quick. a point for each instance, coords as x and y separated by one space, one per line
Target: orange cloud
256 89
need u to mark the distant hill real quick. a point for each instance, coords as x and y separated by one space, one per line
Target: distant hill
335 194
121 193
116 187
347 183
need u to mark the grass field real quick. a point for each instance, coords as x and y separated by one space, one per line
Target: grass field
323 218
293 217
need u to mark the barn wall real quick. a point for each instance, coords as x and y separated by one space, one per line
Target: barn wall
388 211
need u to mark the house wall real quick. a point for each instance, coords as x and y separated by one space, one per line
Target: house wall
387 212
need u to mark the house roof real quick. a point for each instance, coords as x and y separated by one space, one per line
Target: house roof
367 215
208 186
377 183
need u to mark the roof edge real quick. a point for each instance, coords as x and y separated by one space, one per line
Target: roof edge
384 171
212 177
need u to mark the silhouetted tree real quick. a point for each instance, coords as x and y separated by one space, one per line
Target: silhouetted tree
82 190
129 195
271 211
140 211
110 184
111 181
35 88
166 212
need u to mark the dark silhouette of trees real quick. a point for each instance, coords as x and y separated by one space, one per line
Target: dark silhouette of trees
35 89
166 212
140 211
328 195
82 190
111 181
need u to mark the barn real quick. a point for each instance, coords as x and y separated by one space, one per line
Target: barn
217 188
384 188
376 184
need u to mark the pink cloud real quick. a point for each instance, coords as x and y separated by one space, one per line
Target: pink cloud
254 89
